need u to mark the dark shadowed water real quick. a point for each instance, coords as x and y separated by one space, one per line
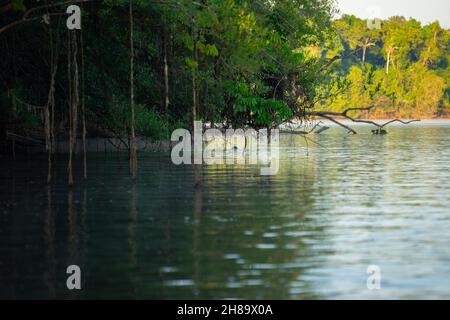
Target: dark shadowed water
309 232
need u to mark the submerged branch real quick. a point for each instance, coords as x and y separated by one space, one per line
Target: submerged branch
330 115
338 123
401 121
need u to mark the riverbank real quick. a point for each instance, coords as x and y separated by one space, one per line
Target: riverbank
144 144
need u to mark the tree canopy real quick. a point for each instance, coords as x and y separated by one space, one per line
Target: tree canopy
403 71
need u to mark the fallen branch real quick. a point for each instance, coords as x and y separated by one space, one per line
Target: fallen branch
338 123
329 115
401 121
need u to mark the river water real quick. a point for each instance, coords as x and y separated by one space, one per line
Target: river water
341 204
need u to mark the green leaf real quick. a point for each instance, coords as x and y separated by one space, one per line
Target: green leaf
211 50
187 41
191 63
18 5
201 47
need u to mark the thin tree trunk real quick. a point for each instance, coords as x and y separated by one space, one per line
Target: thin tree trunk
69 78
133 158
197 179
76 94
166 75
14 145
47 122
83 108
388 61
50 107
74 101
47 106
364 55
194 98
52 111
14 106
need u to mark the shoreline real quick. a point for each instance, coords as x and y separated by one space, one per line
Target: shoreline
144 144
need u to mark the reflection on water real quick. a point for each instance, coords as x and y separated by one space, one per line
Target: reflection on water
309 232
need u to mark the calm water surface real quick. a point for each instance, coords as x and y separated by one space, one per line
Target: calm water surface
309 232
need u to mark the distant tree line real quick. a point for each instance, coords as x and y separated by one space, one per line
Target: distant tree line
402 69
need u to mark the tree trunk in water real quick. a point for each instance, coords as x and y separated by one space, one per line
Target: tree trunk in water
69 79
50 107
47 110
194 110
76 96
52 110
74 100
133 159
83 108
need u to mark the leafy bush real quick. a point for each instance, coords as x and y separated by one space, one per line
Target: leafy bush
149 123
249 100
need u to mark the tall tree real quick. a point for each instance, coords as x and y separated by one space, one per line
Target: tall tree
133 157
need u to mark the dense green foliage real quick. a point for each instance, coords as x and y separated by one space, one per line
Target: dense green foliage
401 68
246 62
250 58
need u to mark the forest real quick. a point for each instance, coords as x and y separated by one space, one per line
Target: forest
144 68
401 68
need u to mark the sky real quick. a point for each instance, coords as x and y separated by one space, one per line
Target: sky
425 11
